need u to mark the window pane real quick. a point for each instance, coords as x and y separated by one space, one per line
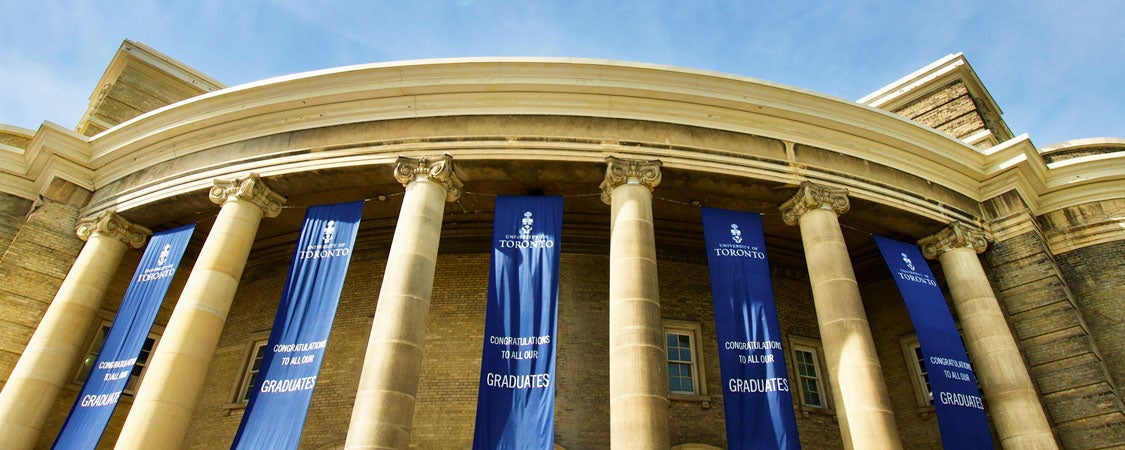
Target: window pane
921 362
679 378
96 348
252 371
253 384
92 354
679 348
259 353
809 378
812 396
139 367
681 370
681 382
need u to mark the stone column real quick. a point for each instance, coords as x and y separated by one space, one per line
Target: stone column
863 408
164 403
1012 401
638 364
388 384
49 358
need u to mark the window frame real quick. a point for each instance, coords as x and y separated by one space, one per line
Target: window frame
813 346
239 396
80 374
694 333
916 367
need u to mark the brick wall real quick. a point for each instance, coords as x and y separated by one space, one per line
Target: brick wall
890 324
685 294
446 404
582 361
1059 348
1061 354
38 256
114 294
796 315
950 109
12 212
1096 279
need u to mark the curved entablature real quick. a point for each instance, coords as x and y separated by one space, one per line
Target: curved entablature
553 87
822 139
546 152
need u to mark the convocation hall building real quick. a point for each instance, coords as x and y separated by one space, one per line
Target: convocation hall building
1027 242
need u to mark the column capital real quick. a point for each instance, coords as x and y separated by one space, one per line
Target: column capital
249 189
111 224
629 171
439 170
956 235
814 196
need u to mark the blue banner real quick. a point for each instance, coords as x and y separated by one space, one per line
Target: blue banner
957 401
516 400
118 355
279 401
756 396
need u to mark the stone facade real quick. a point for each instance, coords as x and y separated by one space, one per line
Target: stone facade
562 127
139 80
950 110
1050 320
447 402
39 255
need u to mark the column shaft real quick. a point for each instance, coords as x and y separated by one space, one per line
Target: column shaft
1012 401
163 406
54 348
638 372
34 385
384 403
638 362
863 407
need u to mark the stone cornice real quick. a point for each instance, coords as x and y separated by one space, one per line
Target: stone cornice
52 152
135 56
1074 144
567 87
249 189
1017 165
921 82
540 86
112 225
956 235
814 196
439 170
1083 226
629 171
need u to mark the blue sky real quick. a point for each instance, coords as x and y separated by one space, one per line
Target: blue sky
1057 69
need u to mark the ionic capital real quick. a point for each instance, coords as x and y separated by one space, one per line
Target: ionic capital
814 196
956 235
438 170
249 189
629 171
110 224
